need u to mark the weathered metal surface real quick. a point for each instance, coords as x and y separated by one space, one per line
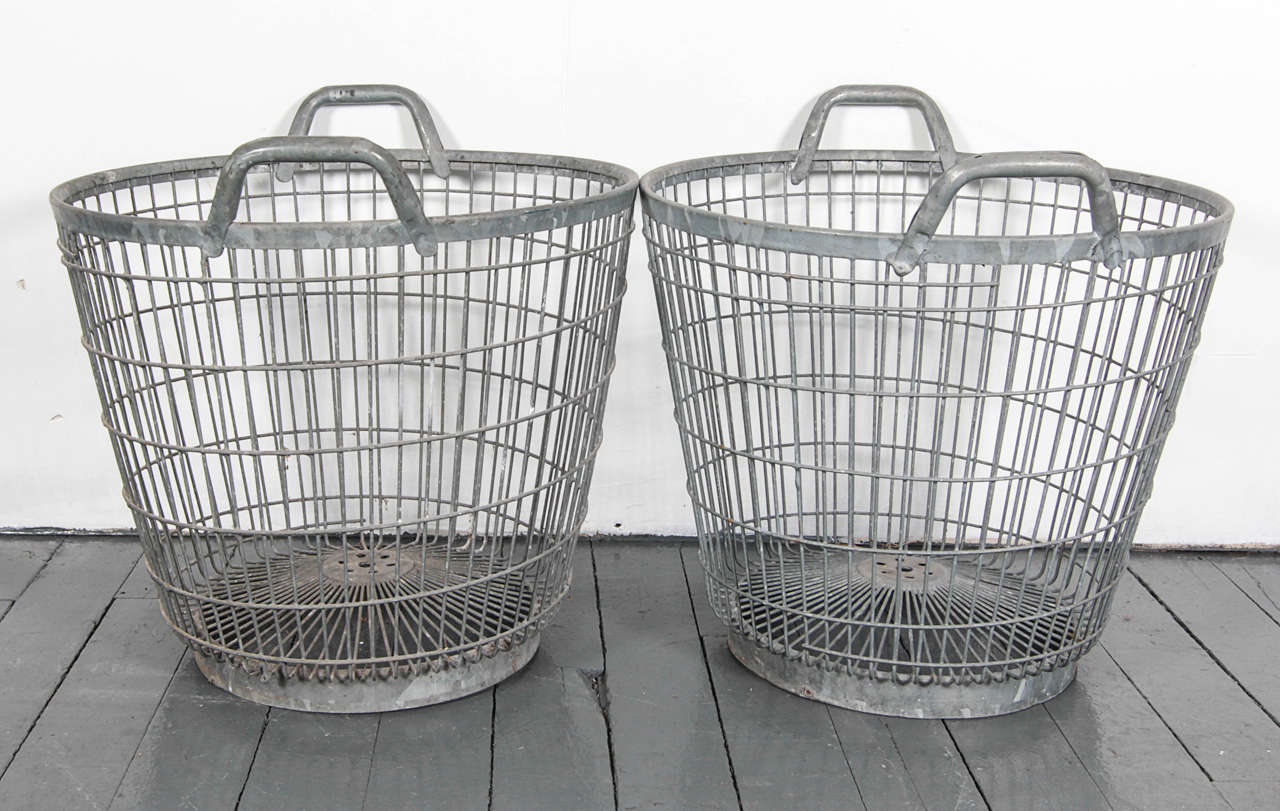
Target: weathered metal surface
357 448
397 693
915 248
921 398
902 700
372 94
870 96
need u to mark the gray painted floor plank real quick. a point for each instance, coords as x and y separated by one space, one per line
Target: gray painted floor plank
905 763
785 751
572 639
551 742
1251 795
1243 637
668 746
138 584
922 769
117 682
197 749
1258 576
1022 761
1226 732
551 747
709 625
434 757
311 760
47 626
548 738
20 560
1131 754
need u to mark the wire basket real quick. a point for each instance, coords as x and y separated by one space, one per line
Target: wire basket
355 401
921 397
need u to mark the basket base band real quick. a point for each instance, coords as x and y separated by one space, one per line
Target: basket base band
901 700
386 695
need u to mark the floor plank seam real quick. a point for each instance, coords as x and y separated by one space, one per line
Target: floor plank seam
373 753
1187 629
1246 594
711 680
493 737
1102 647
604 671
150 720
39 573
62 677
973 776
248 773
1092 778
844 753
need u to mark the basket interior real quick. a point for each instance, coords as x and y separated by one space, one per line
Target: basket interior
345 192
881 196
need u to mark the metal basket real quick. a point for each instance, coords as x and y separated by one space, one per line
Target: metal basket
921 397
357 442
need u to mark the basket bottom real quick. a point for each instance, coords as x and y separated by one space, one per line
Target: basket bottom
360 620
401 693
902 700
909 635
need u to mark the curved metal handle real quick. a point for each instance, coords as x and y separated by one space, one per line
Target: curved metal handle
1102 203
314 149
884 95
334 95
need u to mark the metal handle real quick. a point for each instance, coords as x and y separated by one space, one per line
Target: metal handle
371 94
1102 203
314 149
887 95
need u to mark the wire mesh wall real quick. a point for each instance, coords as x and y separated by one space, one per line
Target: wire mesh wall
915 471
351 462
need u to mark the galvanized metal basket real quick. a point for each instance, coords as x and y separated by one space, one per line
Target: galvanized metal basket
921 397
355 403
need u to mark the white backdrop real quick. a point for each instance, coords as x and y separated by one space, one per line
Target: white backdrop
1181 89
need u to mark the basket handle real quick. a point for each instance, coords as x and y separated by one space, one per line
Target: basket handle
341 94
314 149
864 95
1102 203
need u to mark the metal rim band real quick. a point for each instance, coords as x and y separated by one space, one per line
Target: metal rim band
999 250
352 234
900 700
386 695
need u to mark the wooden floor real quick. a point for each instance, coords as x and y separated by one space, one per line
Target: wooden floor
633 702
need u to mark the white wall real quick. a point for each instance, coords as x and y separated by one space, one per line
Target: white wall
1181 89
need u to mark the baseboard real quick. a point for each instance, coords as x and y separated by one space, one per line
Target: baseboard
80 534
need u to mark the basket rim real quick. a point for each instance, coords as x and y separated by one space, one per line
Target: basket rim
945 249
340 234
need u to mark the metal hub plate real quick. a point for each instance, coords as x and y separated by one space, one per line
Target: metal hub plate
913 573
